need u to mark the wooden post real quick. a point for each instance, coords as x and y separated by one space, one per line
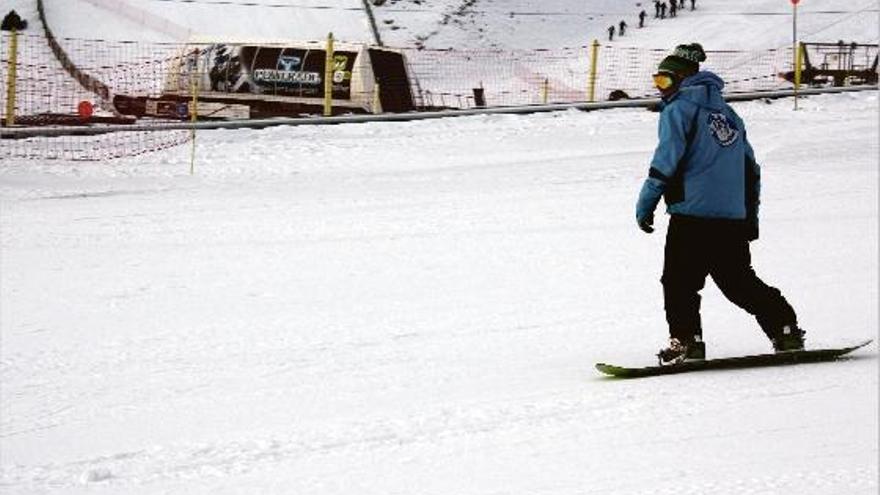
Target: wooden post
377 99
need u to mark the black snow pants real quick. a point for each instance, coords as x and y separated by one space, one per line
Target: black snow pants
696 247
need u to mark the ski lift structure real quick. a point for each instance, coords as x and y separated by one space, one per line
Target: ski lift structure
837 64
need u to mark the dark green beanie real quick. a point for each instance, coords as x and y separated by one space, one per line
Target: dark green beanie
684 61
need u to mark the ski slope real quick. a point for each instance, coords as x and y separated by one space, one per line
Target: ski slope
416 307
142 20
467 24
719 24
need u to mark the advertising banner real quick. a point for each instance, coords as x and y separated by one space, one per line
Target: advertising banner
277 71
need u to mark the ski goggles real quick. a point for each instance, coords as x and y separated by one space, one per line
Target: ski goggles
663 80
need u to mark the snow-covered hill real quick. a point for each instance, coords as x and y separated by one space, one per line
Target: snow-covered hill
471 24
720 24
140 20
415 308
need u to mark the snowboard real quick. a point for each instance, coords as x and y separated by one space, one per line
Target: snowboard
751 361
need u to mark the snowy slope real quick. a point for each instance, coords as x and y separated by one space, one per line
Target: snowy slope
254 19
416 308
424 318
720 24
723 25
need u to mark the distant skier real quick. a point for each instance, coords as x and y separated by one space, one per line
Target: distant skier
642 16
692 4
12 21
706 170
611 33
656 9
663 10
622 28
673 8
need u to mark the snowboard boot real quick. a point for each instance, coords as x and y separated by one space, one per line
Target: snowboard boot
680 351
789 338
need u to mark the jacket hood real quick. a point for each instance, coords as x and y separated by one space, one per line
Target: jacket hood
704 78
703 88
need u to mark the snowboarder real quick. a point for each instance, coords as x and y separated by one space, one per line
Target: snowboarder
611 33
621 28
642 16
706 170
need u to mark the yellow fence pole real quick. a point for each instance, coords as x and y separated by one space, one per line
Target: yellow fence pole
795 48
11 77
194 114
594 62
798 68
328 77
545 90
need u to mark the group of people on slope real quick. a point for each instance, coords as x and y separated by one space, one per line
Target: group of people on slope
660 9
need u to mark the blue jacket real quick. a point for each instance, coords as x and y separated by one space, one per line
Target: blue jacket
703 163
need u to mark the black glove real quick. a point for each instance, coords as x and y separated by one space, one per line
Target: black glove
646 223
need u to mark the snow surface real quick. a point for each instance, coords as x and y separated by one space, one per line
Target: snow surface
253 19
719 24
470 24
416 307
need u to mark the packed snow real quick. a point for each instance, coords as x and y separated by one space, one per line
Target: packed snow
467 24
719 24
177 20
416 307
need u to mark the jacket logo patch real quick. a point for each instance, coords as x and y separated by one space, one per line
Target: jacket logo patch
723 129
